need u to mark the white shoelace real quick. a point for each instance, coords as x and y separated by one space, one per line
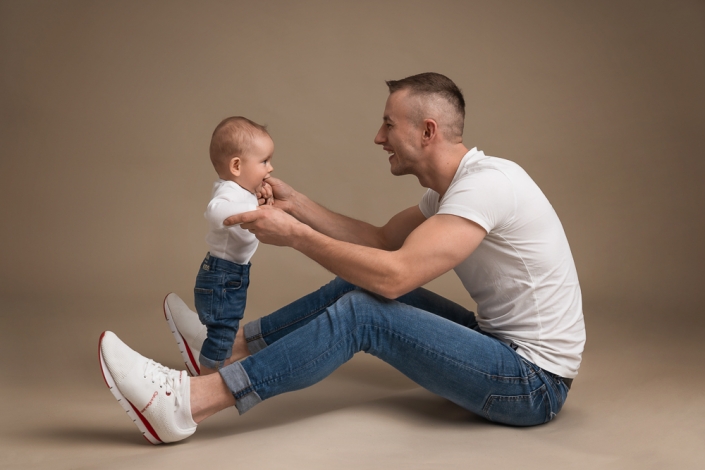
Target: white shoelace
163 376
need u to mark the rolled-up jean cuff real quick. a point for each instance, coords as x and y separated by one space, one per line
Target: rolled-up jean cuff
210 363
253 336
239 384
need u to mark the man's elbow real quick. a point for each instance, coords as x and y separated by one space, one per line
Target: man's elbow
395 284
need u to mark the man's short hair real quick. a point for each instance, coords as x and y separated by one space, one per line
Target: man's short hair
232 138
429 84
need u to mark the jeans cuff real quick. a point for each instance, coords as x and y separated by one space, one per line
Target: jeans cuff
210 363
253 336
238 382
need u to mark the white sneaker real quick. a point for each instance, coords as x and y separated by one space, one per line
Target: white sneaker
155 397
187 329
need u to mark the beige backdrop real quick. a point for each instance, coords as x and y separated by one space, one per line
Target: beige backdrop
106 110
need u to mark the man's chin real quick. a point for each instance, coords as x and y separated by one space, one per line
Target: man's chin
396 171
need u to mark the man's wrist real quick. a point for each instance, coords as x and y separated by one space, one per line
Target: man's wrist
301 236
295 203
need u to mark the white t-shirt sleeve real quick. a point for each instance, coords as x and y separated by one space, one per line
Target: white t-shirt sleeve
429 203
485 197
221 208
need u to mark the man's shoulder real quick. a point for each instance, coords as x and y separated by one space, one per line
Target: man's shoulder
492 172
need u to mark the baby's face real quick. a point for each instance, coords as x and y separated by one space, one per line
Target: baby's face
256 164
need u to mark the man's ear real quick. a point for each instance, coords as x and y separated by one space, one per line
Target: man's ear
430 130
234 166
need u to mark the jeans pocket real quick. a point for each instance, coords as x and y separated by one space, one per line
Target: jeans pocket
203 298
233 282
519 410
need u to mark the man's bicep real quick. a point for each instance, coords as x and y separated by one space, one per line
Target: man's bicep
395 232
438 245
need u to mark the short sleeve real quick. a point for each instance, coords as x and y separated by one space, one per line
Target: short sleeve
429 203
485 196
221 208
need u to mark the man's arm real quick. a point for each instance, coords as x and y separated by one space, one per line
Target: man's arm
337 226
431 249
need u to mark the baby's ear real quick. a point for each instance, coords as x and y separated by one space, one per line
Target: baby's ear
234 167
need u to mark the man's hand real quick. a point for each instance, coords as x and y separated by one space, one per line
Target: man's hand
282 194
270 225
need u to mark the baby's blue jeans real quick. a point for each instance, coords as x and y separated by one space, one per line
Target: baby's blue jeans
220 296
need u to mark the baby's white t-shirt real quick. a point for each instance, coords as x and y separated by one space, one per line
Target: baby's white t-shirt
522 276
231 243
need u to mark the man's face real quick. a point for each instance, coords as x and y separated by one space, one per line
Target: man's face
256 164
399 135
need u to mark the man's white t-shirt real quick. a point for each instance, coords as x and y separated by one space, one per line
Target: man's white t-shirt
231 243
522 276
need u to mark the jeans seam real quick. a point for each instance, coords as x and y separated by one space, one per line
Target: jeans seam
244 392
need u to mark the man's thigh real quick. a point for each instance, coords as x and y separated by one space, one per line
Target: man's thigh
464 365
438 305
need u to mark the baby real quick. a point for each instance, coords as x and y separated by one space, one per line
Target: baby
241 153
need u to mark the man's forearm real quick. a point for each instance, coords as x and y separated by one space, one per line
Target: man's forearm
367 267
335 225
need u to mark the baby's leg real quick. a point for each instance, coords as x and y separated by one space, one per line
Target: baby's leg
239 352
220 298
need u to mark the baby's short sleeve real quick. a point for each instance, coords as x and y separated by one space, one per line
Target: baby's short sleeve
222 207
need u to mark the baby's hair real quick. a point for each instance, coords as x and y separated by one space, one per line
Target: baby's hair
231 138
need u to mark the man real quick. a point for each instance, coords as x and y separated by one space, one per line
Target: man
481 216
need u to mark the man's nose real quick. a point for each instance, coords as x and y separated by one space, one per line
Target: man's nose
380 138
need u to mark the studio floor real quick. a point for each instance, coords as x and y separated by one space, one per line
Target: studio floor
639 402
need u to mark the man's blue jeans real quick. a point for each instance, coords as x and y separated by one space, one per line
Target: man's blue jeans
431 340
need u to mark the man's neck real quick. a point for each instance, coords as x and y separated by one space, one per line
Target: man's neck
441 168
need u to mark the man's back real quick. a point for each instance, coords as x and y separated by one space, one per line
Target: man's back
522 275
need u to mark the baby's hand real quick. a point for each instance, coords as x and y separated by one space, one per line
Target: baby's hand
264 194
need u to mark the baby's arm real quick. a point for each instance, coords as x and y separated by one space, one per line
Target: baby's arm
220 209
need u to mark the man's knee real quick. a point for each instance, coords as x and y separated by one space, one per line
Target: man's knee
336 288
358 304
